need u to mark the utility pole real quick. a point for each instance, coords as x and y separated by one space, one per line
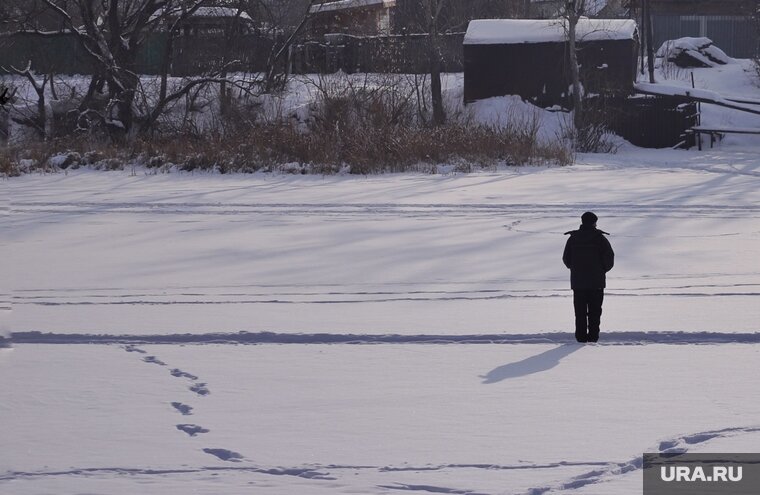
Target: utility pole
650 48
642 36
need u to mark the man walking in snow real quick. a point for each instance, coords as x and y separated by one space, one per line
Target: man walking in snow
589 256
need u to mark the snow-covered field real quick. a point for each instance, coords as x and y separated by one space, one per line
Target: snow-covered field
464 259
399 333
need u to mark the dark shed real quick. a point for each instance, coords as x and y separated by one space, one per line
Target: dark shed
530 58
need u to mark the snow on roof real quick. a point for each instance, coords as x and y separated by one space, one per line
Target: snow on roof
219 12
683 44
349 4
515 31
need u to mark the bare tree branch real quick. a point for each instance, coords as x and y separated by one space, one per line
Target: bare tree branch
37 122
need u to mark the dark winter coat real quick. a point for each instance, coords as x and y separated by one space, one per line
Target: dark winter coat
589 256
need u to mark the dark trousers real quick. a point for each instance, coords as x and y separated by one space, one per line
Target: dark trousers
588 313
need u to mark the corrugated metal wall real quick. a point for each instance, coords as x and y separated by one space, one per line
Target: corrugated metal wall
734 35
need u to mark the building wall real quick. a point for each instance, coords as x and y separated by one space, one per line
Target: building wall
404 54
735 35
360 22
729 23
410 16
549 9
699 7
540 72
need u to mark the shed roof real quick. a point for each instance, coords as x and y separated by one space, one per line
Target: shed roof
206 12
516 31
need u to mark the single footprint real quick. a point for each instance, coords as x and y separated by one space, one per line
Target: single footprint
200 389
183 374
154 360
224 454
131 348
192 430
183 408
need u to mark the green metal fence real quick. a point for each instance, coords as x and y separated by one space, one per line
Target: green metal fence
63 53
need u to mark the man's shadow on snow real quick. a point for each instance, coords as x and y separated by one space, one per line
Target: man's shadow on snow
534 364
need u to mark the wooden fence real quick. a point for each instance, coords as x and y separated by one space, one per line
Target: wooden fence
649 121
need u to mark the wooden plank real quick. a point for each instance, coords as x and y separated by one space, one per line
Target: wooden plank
726 130
701 96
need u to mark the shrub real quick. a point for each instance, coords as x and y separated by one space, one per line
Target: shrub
594 136
8 166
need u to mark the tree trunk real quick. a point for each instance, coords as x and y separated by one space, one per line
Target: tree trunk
572 22
166 63
436 93
271 82
41 111
642 38
123 88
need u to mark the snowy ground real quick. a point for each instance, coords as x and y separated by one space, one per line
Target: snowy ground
400 332
458 254
365 419
436 258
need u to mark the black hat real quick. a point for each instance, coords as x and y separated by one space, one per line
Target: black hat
589 218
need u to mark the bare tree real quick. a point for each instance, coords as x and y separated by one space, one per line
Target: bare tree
282 50
432 12
573 11
36 119
756 19
647 18
21 15
112 32
433 18
436 18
